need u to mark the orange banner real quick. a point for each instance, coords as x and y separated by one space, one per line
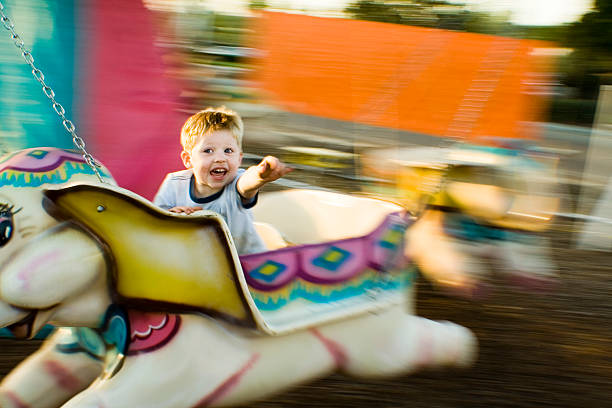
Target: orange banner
429 81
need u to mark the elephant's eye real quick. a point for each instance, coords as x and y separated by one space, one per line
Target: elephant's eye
6 223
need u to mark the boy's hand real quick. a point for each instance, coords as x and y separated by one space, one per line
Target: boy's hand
184 209
271 168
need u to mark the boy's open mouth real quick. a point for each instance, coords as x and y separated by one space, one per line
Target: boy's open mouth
218 172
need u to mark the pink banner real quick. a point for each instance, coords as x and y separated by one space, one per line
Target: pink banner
128 104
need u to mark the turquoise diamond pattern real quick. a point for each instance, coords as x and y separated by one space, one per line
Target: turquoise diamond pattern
38 154
332 258
268 271
392 237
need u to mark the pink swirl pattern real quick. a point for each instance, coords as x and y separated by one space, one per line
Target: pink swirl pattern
151 331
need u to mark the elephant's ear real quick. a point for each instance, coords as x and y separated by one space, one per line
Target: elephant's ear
162 260
53 266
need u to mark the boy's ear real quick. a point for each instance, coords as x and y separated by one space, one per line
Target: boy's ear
186 157
240 161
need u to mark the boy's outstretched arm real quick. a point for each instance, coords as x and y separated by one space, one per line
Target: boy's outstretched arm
255 177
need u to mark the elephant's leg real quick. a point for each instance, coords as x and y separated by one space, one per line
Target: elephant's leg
528 263
450 263
278 363
394 342
207 365
196 365
49 377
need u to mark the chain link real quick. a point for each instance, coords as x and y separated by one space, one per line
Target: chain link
48 91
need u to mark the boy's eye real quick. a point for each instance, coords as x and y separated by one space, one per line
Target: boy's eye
229 150
208 150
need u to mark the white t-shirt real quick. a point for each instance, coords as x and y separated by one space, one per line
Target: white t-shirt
176 190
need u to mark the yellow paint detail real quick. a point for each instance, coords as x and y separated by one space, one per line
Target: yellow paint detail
268 269
157 256
393 236
286 292
333 256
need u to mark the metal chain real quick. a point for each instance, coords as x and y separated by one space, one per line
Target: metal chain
48 91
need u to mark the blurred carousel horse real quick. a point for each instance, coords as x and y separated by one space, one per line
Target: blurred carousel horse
482 210
157 309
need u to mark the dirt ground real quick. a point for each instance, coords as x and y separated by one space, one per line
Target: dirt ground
536 350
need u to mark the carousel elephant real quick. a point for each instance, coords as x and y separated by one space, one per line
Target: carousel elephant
482 211
157 309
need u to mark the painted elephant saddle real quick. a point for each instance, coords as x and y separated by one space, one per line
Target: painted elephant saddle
176 263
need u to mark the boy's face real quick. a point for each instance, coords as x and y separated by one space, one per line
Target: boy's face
215 159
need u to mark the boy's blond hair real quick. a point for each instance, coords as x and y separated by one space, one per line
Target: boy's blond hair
210 120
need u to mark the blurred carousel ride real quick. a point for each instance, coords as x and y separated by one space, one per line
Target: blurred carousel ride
158 309
480 209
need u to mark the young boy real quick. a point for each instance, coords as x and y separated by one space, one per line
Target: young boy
212 154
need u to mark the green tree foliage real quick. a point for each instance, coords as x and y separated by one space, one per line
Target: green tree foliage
258 4
544 33
429 13
590 64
